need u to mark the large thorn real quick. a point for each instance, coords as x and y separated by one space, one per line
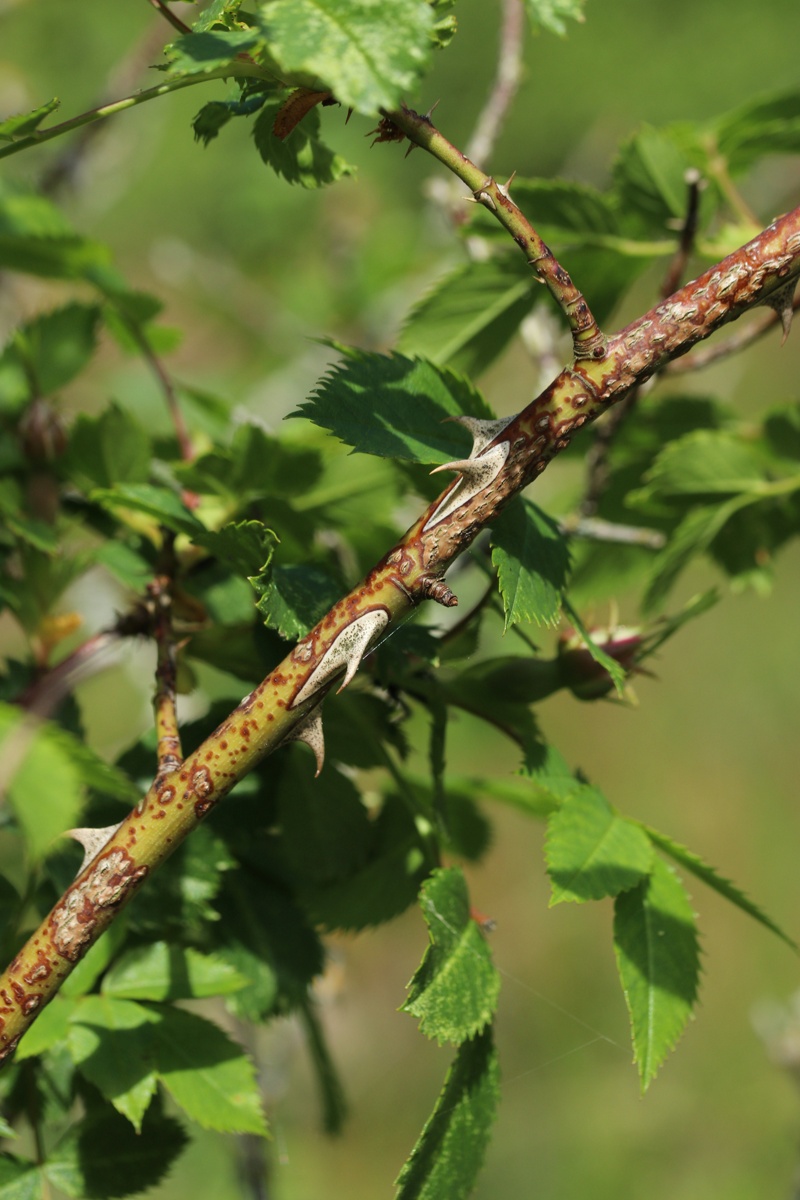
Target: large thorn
476 474
347 650
483 431
92 841
309 730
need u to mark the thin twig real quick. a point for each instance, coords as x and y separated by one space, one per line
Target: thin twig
506 81
677 268
597 530
168 15
169 753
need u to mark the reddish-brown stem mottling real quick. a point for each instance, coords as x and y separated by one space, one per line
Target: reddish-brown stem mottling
506 456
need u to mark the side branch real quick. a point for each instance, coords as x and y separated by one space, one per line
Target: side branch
587 340
506 455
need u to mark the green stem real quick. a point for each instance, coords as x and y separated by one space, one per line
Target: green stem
230 71
587 340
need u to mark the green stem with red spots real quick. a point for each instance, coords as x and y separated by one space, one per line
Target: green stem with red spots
506 456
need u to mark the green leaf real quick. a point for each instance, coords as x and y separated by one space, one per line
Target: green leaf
196 53
50 1027
20 1179
105 1158
395 407
162 971
111 1045
768 125
246 547
591 851
44 785
326 832
47 352
710 876
300 157
567 212
469 316
449 1154
552 14
296 597
160 503
649 175
110 449
36 238
454 990
384 886
658 958
349 47
25 124
694 535
706 462
531 558
207 1074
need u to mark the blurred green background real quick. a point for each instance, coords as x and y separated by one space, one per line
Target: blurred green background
251 271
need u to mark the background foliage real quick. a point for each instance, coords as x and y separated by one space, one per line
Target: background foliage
248 275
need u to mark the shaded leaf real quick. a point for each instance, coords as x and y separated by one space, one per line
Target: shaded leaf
454 991
110 1043
531 557
295 597
767 125
44 785
591 851
44 354
301 157
445 1161
658 958
196 53
705 462
110 449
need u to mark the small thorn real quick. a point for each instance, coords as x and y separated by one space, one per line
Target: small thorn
464 465
309 730
412 146
427 116
92 840
503 188
349 115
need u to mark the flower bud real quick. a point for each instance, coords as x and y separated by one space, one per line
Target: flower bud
42 432
583 675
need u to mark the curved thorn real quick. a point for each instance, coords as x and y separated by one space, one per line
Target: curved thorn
483 431
92 840
309 730
346 651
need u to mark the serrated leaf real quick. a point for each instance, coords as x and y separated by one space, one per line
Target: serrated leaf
531 557
160 503
295 597
395 407
301 157
25 124
106 1159
197 53
162 971
207 1074
711 876
470 315
326 832
111 1045
658 958
50 1027
449 1154
767 125
591 851
454 991
552 15
348 47
245 547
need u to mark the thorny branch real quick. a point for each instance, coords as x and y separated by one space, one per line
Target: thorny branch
506 455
